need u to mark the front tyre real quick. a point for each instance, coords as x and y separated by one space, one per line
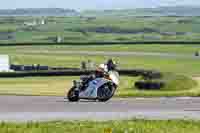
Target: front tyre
106 91
73 95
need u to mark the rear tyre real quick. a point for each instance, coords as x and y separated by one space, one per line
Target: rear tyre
105 92
73 95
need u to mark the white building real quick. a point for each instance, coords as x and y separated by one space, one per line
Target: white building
34 23
4 63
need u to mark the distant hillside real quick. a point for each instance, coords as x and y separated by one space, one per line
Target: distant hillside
38 12
160 11
176 11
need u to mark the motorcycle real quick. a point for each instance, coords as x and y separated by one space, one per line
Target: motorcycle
101 89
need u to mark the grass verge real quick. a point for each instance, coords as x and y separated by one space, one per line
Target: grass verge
189 49
177 85
130 126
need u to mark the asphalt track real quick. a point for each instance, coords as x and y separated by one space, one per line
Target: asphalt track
45 108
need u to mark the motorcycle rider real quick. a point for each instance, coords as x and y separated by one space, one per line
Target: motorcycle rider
100 72
112 72
106 71
111 65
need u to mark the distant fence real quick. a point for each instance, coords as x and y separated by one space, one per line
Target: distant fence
38 67
103 43
133 72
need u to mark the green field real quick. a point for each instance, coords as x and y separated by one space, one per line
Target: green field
87 29
189 49
130 126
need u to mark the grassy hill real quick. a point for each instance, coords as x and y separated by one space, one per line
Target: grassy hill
38 12
159 11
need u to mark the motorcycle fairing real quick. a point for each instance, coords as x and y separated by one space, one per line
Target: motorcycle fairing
91 91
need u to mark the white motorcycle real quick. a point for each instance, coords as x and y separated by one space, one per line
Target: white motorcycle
101 89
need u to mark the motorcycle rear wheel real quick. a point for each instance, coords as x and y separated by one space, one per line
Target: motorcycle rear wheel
106 92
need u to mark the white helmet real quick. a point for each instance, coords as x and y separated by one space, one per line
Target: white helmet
102 67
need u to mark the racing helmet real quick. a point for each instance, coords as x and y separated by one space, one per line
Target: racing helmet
102 68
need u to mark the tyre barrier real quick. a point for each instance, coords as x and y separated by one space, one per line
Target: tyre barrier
41 74
145 85
63 69
28 67
196 53
151 75
39 67
123 72
102 43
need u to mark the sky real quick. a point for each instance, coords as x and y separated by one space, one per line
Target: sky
93 4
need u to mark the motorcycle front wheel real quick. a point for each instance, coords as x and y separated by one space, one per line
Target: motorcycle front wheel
73 95
106 92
